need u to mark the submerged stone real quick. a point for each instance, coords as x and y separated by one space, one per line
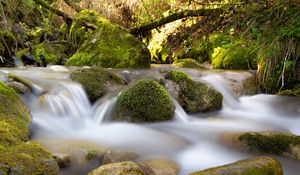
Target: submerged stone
159 167
108 46
145 101
122 168
279 143
255 166
118 156
195 96
96 81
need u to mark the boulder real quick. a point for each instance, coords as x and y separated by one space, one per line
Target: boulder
63 160
29 158
145 101
13 113
195 96
159 167
17 156
19 87
278 143
119 156
96 81
255 166
122 168
108 46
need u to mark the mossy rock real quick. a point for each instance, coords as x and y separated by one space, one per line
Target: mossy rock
122 168
254 166
195 96
96 81
29 159
278 143
10 135
237 56
109 46
145 101
287 92
187 63
159 167
12 109
53 53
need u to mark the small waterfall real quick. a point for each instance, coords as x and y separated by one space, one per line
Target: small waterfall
218 83
68 99
180 114
100 111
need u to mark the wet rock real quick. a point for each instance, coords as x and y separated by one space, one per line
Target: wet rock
159 167
96 81
241 82
107 46
18 87
62 160
119 156
278 143
195 96
255 166
122 168
145 101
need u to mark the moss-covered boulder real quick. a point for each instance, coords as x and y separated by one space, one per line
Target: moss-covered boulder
195 96
29 159
122 168
145 101
278 143
108 46
237 56
12 109
96 81
255 166
54 53
17 156
187 63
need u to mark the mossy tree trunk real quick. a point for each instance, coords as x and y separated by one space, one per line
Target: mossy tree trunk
174 17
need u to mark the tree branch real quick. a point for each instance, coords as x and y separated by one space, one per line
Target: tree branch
174 17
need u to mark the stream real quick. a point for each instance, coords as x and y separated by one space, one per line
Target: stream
63 116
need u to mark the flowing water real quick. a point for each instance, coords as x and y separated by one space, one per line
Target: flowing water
62 114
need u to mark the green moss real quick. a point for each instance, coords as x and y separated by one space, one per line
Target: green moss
11 135
255 166
237 56
218 57
220 40
12 109
275 143
109 46
297 90
286 93
96 80
29 159
195 96
187 63
177 76
145 101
